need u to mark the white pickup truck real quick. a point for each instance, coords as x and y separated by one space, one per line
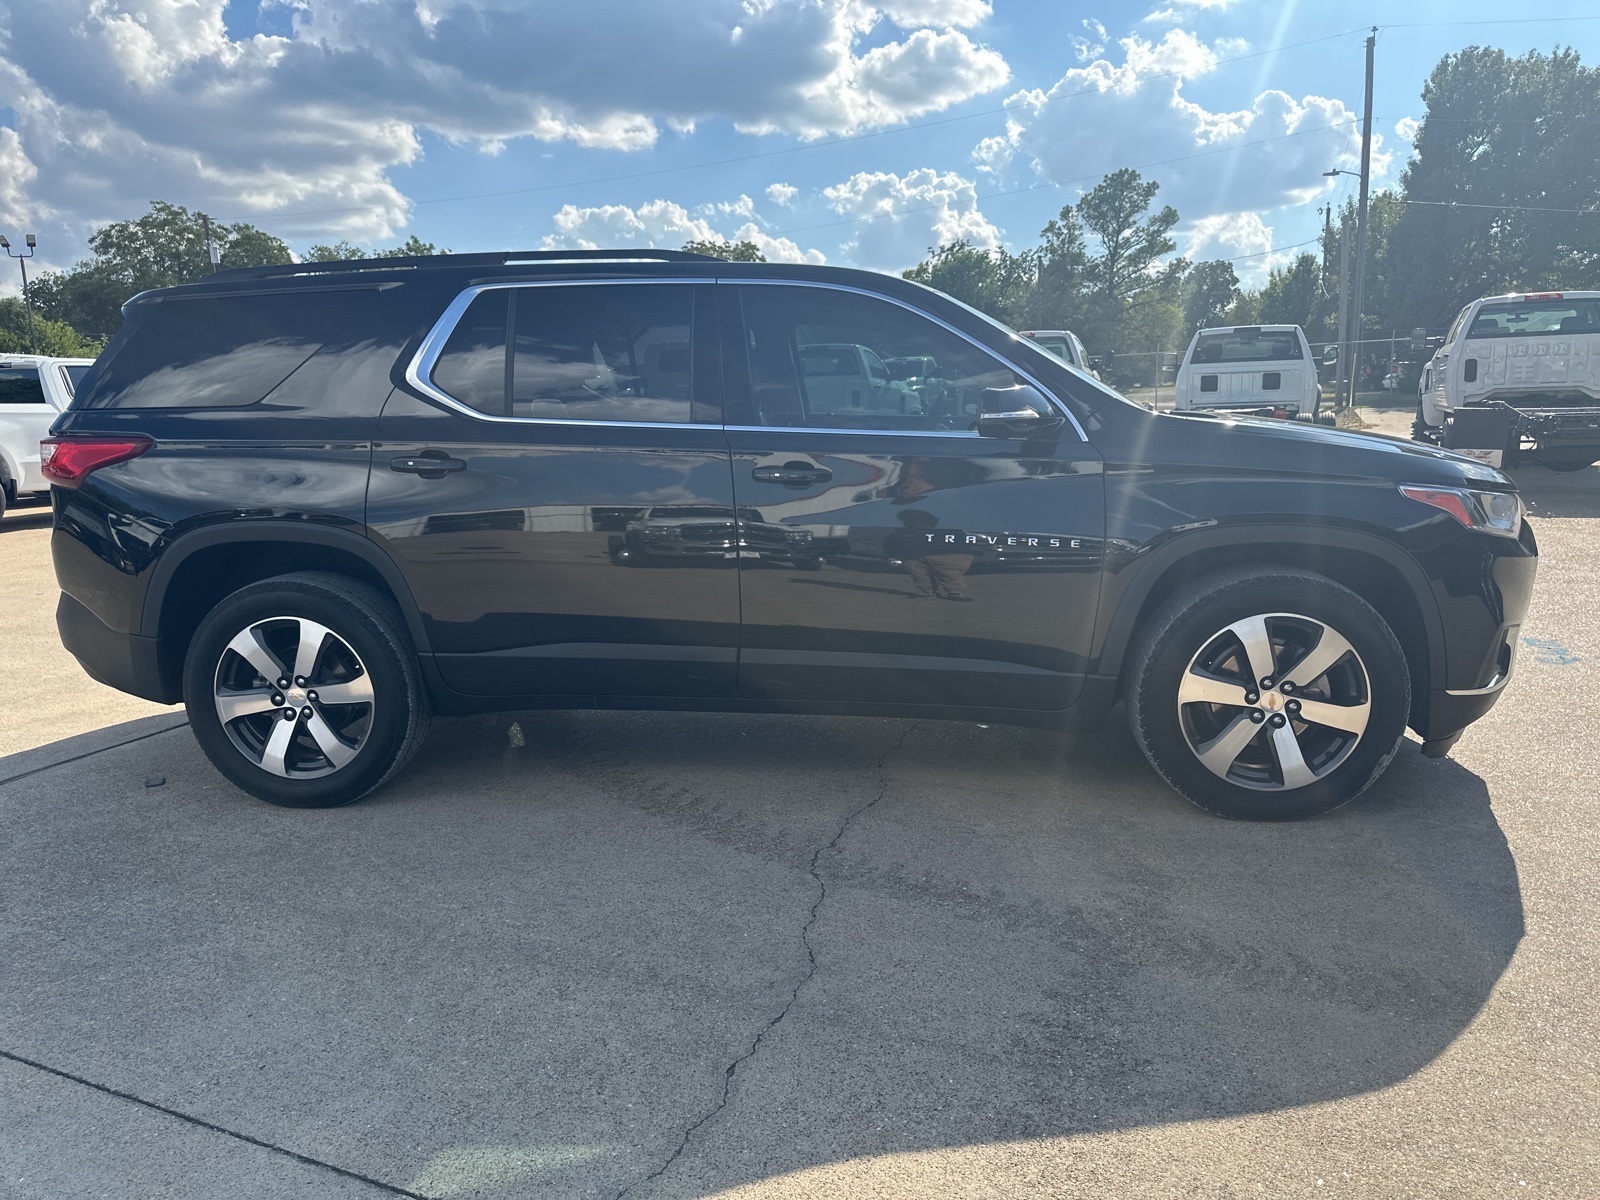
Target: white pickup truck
1265 370
33 391
1535 359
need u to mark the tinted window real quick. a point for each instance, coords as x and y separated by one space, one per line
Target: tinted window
618 352
220 351
1536 318
20 385
74 375
817 360
613 352
1247 345
472 365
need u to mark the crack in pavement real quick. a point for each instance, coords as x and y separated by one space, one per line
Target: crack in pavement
811 970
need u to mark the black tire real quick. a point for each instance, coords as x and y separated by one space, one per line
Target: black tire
391 727
5 494
1421 431
1294 602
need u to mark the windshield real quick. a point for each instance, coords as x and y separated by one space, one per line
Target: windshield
1060 347
1535 318
1247 345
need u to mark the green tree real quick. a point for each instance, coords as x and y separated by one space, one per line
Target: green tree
992 281
55 338
1131 242
1209 292
745 251
1502 139
1056 300
1292 294
340 251
412 247
165 246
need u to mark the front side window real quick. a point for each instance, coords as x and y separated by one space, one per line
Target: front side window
827 359
611 352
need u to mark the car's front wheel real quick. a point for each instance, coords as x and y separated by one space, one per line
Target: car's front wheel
1269 694
304 691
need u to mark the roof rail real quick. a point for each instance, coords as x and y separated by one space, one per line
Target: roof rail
498 258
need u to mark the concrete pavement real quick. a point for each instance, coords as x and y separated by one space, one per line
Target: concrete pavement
670 955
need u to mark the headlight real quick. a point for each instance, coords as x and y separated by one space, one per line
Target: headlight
1492 512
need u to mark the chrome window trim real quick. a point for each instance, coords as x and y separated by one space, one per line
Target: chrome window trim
420 368
927 316
921 433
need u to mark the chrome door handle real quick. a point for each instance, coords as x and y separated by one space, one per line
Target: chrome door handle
429 466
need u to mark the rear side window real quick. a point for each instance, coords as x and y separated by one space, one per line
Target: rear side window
20 385
74 374
1247 345
614 352
220 351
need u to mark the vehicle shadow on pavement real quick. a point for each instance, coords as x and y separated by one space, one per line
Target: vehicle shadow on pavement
668 954
1550 493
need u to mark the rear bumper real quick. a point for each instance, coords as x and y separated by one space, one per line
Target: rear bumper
124 661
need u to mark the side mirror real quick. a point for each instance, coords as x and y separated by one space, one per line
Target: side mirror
1330 355
1018 411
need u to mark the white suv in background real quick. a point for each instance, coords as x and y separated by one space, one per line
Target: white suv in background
1265 369
34 390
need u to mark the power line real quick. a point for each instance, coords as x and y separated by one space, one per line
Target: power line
1587 212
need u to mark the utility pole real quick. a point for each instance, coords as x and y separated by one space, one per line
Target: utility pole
1361 208
211 252
27 300
1344 310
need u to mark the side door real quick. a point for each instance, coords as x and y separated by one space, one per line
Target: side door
546 429
891 553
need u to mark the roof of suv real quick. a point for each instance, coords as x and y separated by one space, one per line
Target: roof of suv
459 270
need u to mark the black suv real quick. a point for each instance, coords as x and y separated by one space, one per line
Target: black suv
320 502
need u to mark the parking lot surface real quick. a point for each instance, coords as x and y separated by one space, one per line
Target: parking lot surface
671 955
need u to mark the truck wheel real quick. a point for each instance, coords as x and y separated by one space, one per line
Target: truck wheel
304 690
1421 431
1268 693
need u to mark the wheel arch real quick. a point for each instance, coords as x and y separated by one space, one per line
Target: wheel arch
1376 570
200 568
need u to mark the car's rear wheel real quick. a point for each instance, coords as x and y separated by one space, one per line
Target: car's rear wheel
1269 694
303 690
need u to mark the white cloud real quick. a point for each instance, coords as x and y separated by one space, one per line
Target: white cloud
782 194
1406 129
1179 10
16 176
901 216
912 14
116 101
1085 48
664 224
1265 156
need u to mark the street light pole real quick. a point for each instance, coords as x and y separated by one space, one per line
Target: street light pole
1361 208
22 262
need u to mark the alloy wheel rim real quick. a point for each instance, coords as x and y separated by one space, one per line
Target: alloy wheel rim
294 697
1274 702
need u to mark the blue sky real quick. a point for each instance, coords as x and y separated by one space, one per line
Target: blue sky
856 132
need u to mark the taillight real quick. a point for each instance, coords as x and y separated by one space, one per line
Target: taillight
67 461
